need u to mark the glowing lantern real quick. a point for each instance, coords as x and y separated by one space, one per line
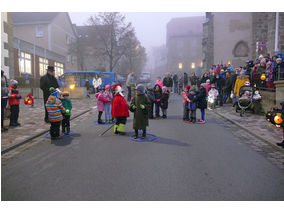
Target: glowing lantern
72 86
263 77
29 100
278 119
67 111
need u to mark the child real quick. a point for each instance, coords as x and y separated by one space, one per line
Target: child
14 102
66 102
102 100
212 96
109 96
159 82
192 105
150 93
120 110
158 96
185 102
208 86
55 110
140 105
164 101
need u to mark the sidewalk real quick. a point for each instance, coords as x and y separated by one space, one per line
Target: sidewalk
32 121
255 124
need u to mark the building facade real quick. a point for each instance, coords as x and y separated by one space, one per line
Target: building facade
42 39
184 44
7 56
238 37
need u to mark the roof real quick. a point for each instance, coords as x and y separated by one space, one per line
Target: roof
33 17
185 26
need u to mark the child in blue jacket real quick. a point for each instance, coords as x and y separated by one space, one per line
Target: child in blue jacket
192 105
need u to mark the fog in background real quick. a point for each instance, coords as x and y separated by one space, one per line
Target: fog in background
150 27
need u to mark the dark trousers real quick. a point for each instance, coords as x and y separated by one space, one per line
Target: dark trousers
193 115
185 111
46 113
66 123
151 110
100 115
220 97
54 129
120 120
15 109
144 132
128 93
4 102
202 114
157 108
175 87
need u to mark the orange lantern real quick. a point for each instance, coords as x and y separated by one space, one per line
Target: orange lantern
278 119
29 100
263 77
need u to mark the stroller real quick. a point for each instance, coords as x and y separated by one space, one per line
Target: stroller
247 98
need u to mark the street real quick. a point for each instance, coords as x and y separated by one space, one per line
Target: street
187 162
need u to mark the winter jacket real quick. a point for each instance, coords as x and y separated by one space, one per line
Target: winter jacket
119 107
101 101
239 83
184 97
269 74
192 105
158 94
160 83
278 71
109 96
54 109
201 99
213 92
193 80
204 79
220 82
67 104
15 97
140 120
150 94
208 87
165 100
46 82
4 86
228 84
168 82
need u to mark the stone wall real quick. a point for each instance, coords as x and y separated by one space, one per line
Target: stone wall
268 100
279 91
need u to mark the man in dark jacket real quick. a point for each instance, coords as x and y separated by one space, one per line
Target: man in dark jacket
228 86
175 81
168 82
46 82
193 79
220 83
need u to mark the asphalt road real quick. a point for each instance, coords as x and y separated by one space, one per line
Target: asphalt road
186 162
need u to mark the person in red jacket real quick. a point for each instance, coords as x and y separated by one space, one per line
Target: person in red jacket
120 110
14 102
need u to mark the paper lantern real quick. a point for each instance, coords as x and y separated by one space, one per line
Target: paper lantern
263 77
278 119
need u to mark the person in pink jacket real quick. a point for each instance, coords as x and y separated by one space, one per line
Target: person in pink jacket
159 82
185 102
102 100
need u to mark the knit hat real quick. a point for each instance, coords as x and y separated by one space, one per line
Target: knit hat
107 86
203 85
187 87
260 57
279 59
55 92
65 93
164 88
269 63
243 72
208 81
13 82
263 61
140 87
148 85
212 85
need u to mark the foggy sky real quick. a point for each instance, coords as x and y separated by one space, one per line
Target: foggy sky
150 27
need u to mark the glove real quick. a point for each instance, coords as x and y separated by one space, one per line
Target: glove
142 106
133 107
67 111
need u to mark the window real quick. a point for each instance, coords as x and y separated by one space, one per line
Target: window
25 64
39 31
73 59
58 68
68 39
43 63
68 58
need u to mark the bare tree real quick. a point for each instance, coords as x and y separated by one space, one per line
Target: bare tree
114 36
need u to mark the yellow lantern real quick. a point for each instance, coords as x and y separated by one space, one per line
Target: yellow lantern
278 119
263 77
72 86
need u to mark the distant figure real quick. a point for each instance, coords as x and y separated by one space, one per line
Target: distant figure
46 82
175 81
185 78
159 82
4 98
130 82
168 82
97 82
193 80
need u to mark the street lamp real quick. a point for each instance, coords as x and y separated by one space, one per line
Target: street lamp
192 65
180 66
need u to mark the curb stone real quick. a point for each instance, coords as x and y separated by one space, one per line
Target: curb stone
250 132
35 136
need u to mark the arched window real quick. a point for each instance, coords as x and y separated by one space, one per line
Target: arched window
241 49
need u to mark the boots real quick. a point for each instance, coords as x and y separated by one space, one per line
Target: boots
281 144
115 129
144 134
100 121
63 130
136 134
68 130
120 129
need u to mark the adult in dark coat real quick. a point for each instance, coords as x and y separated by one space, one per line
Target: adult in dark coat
168 82
201 100
185 78
228 86
220 83
175 81
150 93
204 78
47 81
